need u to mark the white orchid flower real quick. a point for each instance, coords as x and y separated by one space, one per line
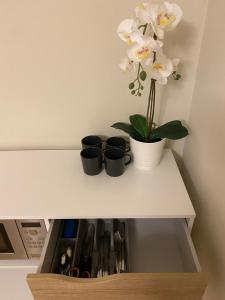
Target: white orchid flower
164 17
143 12
144 50
127 65
128 31
161 69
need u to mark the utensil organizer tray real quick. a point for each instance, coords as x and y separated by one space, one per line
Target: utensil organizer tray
57 244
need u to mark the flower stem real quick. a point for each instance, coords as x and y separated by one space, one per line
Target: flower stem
144 26
151 103
139 85
150 110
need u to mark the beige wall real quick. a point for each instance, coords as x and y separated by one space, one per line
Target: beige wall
59 75
204 152
59 80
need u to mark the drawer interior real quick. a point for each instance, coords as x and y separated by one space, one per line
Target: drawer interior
98 248
161 245
151 246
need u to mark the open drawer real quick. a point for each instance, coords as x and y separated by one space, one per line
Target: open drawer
162 265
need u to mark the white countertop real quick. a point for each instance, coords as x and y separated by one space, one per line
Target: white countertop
51 184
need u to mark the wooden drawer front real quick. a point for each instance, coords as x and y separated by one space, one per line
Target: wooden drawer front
163 265
139 286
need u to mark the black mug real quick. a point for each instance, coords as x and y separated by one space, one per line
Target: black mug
117 142
92 160
115 161
91 141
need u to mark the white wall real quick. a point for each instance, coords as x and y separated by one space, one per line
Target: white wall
204 152
59 80
59 75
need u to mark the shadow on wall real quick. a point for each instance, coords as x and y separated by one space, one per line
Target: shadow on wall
183 36
179 41
204 242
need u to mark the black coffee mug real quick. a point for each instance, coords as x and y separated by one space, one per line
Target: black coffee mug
117 142
91 141
92 160
115 161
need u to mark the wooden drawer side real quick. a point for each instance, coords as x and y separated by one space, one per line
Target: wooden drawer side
141 286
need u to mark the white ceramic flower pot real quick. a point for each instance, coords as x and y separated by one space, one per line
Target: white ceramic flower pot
146 156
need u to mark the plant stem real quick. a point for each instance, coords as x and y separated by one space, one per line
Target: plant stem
151 102
150 109
144 26
138 90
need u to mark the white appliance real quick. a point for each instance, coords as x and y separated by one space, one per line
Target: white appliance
21 238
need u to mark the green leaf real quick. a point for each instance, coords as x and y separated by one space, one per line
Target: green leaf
173 130
140 125
128 128
143 75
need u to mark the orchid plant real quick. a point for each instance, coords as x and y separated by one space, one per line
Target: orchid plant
144 34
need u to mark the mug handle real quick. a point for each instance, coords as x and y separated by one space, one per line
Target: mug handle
129 161
127 146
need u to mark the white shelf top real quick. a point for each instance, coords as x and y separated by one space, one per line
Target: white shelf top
51 184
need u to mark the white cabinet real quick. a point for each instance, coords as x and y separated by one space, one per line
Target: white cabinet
13 273
50 184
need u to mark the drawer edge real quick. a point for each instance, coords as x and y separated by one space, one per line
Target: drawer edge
191 247
119 286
